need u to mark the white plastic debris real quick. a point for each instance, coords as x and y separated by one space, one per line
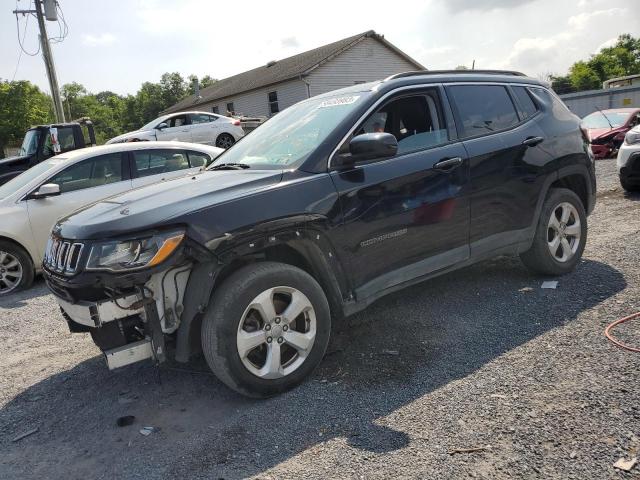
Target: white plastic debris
625 465
550 284
146 431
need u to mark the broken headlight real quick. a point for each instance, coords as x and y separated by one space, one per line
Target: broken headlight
133 254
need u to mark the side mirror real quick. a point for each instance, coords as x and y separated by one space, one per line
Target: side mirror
162 126
46 190
369 146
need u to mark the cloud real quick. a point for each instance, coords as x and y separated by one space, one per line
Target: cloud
289 42
581 20
457 6
98 40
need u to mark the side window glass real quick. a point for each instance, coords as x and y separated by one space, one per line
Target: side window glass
526 107
197 118
66 140
95 172
483 108
178 121
155 162
197 159
416 121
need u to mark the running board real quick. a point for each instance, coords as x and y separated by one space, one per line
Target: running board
128 354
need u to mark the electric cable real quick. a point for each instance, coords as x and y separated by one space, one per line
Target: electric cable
612 339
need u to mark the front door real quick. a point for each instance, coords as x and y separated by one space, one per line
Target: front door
204 128
80 184
178 128
406 216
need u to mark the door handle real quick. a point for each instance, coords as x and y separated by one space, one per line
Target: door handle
448 164
533 141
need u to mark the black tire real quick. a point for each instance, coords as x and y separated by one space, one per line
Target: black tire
628 186
26 265
225 140
538 258
225 311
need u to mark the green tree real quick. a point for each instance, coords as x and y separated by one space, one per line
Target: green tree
22 105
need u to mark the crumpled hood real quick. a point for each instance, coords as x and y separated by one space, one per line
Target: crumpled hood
157 204
16 159
127 135
595 133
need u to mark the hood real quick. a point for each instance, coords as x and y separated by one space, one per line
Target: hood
15 159
595 133
124 136
157 204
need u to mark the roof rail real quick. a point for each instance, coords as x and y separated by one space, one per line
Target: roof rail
454 72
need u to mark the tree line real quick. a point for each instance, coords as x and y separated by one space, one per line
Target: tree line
23 104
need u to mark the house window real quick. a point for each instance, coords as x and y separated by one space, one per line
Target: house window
215 109
230 109
273 103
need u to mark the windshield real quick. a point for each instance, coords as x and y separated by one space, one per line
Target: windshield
287 139
605 119
15 184
30 142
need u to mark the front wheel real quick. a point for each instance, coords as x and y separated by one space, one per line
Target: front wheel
628 186
560 236
266 329
16 268
225 141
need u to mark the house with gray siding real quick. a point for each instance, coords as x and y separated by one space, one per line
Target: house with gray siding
266 90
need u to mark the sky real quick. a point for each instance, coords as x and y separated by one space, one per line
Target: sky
117 45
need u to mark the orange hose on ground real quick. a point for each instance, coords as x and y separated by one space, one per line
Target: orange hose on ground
607 332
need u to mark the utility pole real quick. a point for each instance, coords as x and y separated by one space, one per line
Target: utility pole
48 59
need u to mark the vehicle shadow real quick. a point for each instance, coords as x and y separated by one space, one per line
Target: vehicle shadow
402 348
18 299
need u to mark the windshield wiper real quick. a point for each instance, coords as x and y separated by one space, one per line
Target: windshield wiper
230 166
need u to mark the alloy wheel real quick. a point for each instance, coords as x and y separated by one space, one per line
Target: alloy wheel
276 332
225 141
564 232
10 272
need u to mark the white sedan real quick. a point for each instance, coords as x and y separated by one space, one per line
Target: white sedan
628 161
31 203
196 127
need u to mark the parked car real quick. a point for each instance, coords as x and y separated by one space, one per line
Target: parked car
31 203
606 129
45 141
331 204
628 161
196 127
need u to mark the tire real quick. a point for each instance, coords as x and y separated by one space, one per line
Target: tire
225 141
230 318
628 186
16 268
539 258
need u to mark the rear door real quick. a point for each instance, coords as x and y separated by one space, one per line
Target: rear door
204 128
406 216
177 129
500 129
157 164
80 184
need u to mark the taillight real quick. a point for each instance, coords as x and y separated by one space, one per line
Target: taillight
236 123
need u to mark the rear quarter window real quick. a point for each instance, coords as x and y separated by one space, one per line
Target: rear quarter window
526 106
482 109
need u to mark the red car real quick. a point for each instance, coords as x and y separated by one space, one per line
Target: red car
606 129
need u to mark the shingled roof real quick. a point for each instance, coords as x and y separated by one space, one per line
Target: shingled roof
276 72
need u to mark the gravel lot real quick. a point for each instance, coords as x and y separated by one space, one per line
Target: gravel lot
468 360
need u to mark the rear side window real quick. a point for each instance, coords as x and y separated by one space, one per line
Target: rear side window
526 107
197 159
154 162
94 172
483 109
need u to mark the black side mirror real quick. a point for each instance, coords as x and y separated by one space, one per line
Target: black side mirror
368 146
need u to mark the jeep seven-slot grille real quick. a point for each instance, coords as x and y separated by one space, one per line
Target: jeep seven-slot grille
62 256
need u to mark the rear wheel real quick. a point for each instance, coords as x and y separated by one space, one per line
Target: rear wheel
266 329
16 268
225 141
560 235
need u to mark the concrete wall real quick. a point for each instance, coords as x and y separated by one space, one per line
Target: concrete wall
366 61
584 103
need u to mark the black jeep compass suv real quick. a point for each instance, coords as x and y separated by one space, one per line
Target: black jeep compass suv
331 204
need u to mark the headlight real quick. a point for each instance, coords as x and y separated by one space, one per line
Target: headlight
632 137
133 254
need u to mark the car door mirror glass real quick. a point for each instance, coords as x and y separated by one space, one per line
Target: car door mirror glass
47 190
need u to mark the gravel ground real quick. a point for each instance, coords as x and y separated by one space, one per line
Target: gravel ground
467 360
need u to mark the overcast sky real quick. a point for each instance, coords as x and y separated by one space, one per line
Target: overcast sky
117 45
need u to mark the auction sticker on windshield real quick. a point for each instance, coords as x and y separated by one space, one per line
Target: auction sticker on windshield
333 102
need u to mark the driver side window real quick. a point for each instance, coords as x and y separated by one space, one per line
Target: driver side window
177 121
416 121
